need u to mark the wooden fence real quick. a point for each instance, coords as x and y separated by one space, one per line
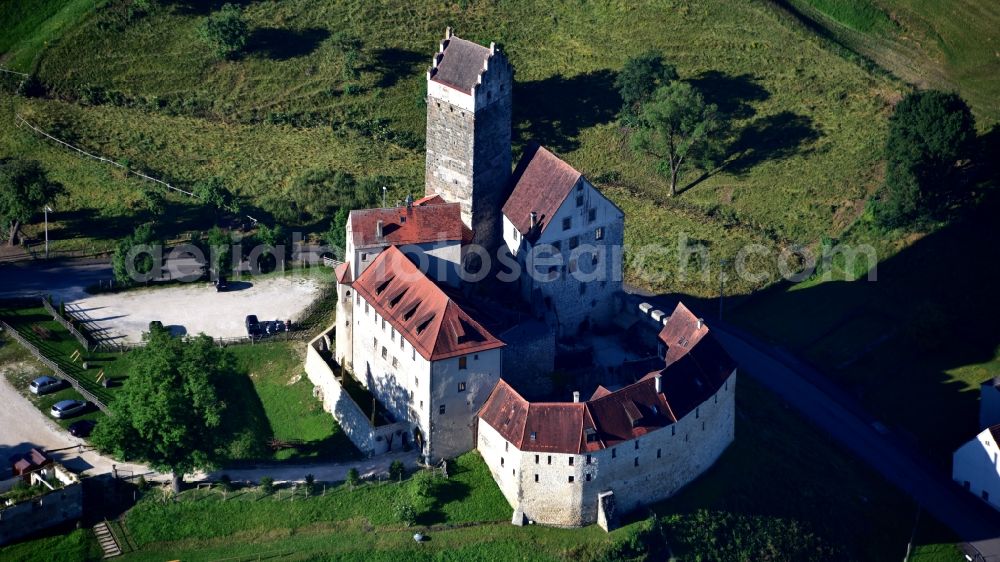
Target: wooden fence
52 365
84 341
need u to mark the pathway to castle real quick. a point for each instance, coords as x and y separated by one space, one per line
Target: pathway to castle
831 409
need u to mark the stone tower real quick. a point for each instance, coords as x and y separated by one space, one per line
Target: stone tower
468 132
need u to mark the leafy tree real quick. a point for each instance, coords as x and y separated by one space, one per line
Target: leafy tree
24 190
338 228
168 411
396 470
405 513
929 133
353 478
271 236
220 251
678 128
214 192
141 263
226 31
267 484
639 78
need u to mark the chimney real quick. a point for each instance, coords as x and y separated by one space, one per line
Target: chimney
534 219
378 229
447 32
700 322
409 202
576 396
658 381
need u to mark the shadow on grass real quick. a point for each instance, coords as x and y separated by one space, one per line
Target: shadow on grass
555 110
444 492
394 64
732 94
201 7
283 44
773 137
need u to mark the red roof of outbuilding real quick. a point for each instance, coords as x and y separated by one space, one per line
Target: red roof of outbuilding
434 324
343 273
407 225
614 417
430 200
541 183
681 333
460 64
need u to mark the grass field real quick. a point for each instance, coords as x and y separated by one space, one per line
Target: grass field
944 45
806 126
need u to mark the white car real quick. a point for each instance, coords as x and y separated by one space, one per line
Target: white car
68 408
45 385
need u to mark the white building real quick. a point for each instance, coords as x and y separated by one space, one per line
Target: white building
421 354
576 463
567 237
976 466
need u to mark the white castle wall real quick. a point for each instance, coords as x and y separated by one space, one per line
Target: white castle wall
668 459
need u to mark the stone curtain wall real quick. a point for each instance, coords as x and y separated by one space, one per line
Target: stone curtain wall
668 459
356 425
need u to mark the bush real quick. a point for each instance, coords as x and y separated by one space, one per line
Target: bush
267 484
226 31
397 470
405 513
142 484
226 483
353 478
310 484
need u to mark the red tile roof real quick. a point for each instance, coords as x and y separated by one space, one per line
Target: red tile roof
343 273
541 183
429 200
682 333
402 225
612 417
461 63
434 324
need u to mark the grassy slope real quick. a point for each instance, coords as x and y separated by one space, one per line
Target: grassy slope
810 121
30 26
946 45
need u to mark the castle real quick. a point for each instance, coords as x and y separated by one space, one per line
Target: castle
450 302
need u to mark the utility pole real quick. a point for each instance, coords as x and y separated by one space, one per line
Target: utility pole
47 211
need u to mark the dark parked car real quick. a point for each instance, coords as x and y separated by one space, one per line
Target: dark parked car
82 428
68 408
253 325
221 284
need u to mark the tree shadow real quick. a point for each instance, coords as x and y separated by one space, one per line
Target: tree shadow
283 44
773 137
394 64
444 491
732 94
555 110
200 7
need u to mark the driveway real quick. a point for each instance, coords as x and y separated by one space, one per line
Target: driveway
23 426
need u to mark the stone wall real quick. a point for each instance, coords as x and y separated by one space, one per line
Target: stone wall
462 393
563 489
55 508
369 439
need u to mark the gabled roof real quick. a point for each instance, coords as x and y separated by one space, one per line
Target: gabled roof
431 321
459 63
541 183
613 416
681 333
343 273
407 225
429 200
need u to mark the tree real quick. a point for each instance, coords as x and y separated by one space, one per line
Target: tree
353 478
214 192
273 237
929 133
677 127
24 190
168 411
639 78
142 238
396 470
220 251
226 31
335 236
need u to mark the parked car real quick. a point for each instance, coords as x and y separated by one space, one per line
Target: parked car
68 408
253 325
45 385
82 428
221 284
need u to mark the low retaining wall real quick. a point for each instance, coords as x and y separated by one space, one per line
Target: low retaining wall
370 440
54 508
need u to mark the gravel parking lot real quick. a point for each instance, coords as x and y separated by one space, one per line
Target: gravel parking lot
197 307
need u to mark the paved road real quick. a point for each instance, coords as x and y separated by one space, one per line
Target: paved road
64 278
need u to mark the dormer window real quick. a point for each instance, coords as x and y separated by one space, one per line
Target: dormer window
534 435
591 435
